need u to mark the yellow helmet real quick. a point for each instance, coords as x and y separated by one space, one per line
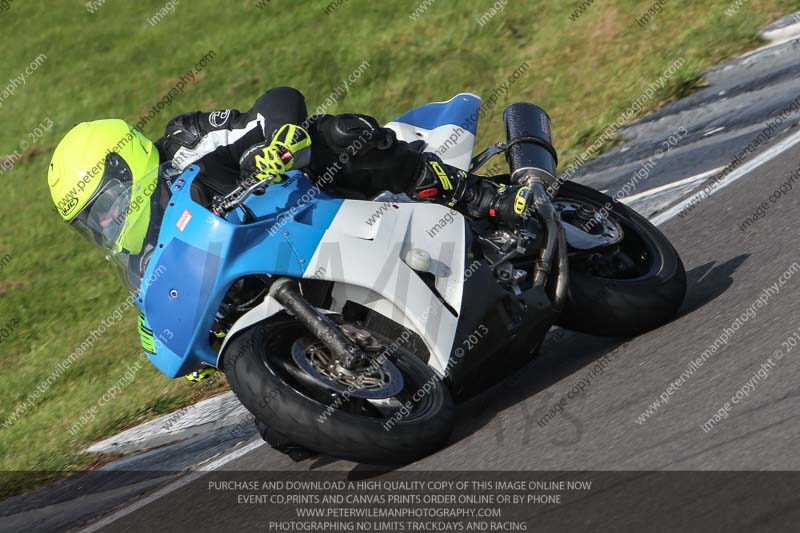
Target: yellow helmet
101 178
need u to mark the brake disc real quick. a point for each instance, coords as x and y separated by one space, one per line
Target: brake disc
377 378
585 228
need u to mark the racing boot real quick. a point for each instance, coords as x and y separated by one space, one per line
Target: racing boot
202 374
469 194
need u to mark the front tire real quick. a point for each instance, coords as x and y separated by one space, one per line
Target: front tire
267 381
622 304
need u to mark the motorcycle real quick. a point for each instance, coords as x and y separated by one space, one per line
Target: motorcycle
351 327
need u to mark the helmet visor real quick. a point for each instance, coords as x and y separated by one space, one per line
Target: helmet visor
103 218
107 214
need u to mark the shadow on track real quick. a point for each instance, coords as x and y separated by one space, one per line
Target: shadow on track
563 354
566 353
707 282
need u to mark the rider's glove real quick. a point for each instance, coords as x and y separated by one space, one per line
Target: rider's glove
288 150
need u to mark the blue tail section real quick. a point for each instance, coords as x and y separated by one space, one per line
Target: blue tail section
462 110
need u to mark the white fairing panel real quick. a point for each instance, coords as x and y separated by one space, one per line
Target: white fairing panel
453 144
364 250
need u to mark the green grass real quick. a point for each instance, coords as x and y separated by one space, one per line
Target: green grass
114 64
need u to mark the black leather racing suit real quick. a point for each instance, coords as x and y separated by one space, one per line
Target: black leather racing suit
217 140
376 160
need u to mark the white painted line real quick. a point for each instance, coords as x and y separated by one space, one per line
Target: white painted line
673 185
781 35
774 44
207 416
235 454
712 132
172 487
740 172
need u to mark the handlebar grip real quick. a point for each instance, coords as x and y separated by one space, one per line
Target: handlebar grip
530 154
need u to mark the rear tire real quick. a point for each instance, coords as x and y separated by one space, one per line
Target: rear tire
255 363
614 307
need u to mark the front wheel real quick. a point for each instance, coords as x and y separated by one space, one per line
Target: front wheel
636 284
390 411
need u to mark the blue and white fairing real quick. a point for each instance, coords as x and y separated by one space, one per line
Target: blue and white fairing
199 256
448 128
302 232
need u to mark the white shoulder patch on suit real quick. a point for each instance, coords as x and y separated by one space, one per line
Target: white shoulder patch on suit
213 140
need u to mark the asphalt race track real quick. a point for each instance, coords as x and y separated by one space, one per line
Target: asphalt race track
742 287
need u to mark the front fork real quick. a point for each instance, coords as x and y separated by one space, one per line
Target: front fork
285 291
555 245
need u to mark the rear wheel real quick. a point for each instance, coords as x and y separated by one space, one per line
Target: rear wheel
391 410
633 282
